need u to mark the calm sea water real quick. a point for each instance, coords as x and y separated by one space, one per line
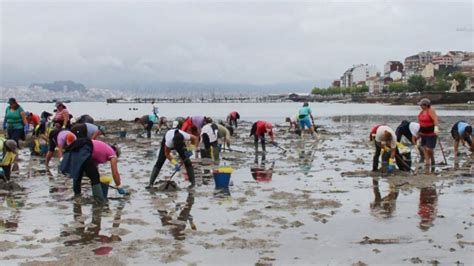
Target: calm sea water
275 112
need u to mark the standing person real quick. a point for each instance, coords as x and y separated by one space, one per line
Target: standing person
429 130
174 139
306 118
225 133
209 135
258 130
147 121
232 118
58 139
62 117
83 156
15 121
87 130
462 132
384 138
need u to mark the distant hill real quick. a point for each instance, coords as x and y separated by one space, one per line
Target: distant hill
58 86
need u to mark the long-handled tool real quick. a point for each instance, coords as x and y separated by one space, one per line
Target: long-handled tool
442 151
405 163
168 181
279 147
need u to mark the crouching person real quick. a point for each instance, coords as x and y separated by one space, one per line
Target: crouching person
9 154
84 156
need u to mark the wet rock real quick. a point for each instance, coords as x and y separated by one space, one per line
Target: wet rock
416 260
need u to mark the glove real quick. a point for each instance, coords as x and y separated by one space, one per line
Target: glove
121 191
386 149
188 154
175 164
391 161
26 128
191 147
436 130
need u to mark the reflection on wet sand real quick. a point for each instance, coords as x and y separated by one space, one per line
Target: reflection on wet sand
81 234
427 208
10 222
178 226
262 172
383 207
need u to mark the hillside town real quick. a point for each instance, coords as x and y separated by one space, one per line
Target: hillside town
430 65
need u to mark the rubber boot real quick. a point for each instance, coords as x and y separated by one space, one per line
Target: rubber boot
153 176
190 171
98 194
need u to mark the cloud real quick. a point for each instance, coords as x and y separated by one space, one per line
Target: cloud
113 43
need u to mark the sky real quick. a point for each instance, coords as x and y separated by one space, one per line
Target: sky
115 44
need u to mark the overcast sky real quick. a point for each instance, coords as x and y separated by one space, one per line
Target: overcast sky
109 43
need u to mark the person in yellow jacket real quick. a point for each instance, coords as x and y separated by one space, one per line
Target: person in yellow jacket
9 154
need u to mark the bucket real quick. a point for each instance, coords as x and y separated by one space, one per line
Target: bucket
122 133
104 184
222 176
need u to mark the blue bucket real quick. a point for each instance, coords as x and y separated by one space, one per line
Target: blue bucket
222 177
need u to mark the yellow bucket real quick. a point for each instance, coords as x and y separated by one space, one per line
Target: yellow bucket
225 170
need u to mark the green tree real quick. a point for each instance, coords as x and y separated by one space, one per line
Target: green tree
397 87
441 85
317 91
416 83
461 78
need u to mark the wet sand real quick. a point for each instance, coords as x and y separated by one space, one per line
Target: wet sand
316 204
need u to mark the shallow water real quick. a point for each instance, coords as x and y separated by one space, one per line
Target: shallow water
302 211
275 112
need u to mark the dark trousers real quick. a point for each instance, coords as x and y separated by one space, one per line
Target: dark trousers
262 141
206 153
187 162
16 135
90 169
148 128
375 164
7 171
233 122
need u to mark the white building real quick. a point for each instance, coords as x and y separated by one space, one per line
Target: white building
375 84
357 74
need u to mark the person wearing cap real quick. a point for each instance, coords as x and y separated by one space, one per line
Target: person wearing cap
85 119
174 139
462 132
62 116
42 128
258 130
232 118
429 130
385 139
15 121
57 139
82 156
209 136
10 150
225 133
306 118
87 130
147 121
410 131
178 122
